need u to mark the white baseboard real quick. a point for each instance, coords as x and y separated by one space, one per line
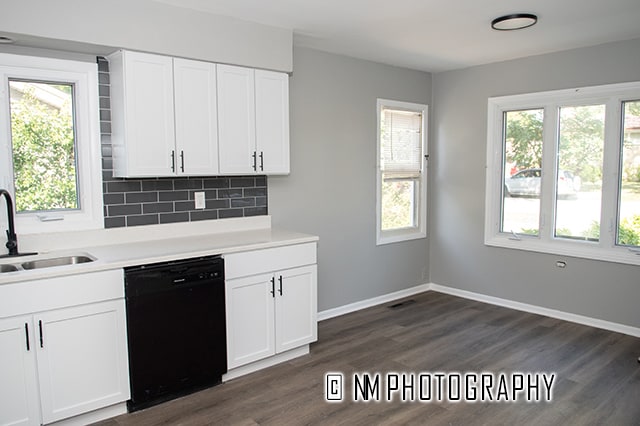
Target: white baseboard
94 416
352 307
525 307
264 363
579 319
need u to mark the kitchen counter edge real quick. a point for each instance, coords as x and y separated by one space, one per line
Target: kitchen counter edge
117 256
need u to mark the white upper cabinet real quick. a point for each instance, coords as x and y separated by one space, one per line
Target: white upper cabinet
236 120
164 120
253 120
142 118
195 117
174 116
272 121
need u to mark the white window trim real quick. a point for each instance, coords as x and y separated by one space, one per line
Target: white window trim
84 76
411 233
606 249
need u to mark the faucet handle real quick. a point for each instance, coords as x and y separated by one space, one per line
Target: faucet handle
12 243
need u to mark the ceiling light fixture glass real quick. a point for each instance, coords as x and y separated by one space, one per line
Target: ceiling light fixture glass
515 21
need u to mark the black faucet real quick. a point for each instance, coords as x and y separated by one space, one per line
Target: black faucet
12 238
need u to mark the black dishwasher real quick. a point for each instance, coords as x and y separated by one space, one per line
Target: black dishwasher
175 328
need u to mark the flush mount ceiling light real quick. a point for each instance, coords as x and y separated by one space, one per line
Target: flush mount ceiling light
515 21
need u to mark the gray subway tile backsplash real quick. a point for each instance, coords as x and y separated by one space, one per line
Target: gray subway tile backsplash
143 219
136 202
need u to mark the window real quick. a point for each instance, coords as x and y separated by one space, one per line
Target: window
49 125
401 175
563 172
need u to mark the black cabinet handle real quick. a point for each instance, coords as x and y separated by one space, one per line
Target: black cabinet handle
254 161
280 287
182 161
26 332
261 161
273 287
41 338
173 161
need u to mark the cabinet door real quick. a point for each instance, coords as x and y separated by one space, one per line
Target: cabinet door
19 403
250 333
82 359
148 115
296 307
272 121
236 119
196 118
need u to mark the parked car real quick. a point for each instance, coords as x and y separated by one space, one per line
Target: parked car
527 182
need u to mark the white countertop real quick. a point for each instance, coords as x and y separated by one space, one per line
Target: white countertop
154 249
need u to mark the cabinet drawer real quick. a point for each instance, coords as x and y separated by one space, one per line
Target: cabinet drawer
269 260
60 292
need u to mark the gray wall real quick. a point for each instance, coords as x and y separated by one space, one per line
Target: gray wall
458 257
86 25
331 189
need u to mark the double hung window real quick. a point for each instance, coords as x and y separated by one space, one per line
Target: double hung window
563 172
401 175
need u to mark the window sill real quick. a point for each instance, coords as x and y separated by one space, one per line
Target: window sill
399 235
560 247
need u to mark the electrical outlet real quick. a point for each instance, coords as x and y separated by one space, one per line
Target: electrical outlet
200 203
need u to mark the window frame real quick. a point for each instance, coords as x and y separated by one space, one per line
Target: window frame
613 96
413 232
84 77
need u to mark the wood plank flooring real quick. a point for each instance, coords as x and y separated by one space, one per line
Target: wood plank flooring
597 373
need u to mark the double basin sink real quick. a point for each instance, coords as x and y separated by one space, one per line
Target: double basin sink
46 263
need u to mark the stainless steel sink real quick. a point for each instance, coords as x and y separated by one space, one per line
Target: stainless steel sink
56 261
8 268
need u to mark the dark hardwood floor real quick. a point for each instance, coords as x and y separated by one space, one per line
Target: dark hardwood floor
597 375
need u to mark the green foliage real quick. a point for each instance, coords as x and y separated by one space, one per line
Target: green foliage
581 141
528 231
632 174
632 108
43 155
581 136
524 138
628 235
397 201
592 232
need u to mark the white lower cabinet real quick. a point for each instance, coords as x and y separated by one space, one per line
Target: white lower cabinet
63 362
81 357
75 357
273 312
250 320
19 402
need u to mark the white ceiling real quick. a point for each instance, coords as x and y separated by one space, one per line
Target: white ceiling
435 35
